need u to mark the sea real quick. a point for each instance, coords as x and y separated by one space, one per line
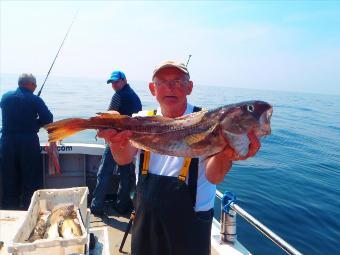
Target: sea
292 185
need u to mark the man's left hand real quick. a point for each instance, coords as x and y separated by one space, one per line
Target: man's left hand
219 164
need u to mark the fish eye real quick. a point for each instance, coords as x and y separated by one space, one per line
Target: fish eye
250 108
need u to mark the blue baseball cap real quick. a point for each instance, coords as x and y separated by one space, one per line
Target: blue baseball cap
115 76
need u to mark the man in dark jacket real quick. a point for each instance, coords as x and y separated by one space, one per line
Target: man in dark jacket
23 114
126 102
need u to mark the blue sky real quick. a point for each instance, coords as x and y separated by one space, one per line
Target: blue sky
284 45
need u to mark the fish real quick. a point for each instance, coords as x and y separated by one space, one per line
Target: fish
52 231
38 231
69 228
200 134
59 214
40 228
60 222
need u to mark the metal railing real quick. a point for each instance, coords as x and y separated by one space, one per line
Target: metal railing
228 224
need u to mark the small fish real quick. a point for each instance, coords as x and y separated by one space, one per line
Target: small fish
61 212
49 224
52 232
203 133
69 228
58 214
40 228
39 231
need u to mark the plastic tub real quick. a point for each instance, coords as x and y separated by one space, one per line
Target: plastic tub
46 200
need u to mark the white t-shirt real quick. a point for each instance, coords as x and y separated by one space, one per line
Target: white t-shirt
171 166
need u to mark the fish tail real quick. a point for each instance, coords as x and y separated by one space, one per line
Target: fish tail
64 128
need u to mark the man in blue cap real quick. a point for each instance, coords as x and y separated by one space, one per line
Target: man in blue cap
126 102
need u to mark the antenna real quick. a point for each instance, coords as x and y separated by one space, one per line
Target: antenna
188 60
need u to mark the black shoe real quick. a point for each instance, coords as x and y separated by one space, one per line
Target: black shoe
97 212
92 241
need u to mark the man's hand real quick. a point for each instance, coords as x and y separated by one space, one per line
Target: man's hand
220 164
122 151
116 140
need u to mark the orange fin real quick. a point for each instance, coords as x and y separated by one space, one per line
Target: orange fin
106 115
64 128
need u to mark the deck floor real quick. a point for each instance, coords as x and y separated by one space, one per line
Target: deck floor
117 225
9 220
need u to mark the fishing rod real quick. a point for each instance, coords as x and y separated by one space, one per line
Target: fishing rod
188 61
48 73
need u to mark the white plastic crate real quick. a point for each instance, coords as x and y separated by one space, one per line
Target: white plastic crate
46 200
102 243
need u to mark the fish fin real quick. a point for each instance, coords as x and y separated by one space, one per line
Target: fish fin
192 139
64 128
196 138
238 142
106 115
140 145
157 118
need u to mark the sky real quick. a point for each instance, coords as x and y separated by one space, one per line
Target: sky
281 45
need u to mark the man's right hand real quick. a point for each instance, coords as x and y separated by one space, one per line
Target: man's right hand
122 151
117 140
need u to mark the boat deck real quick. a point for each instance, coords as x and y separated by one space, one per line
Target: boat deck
116 225
109 232
8 222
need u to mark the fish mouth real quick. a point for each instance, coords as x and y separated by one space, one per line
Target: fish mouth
264 123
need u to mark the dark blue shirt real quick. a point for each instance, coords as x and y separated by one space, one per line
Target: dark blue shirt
125 101
23 112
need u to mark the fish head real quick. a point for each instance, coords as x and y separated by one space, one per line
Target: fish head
247 116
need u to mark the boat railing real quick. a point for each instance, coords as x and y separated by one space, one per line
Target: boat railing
229 209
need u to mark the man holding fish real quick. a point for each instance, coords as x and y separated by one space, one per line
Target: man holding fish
181 153
175 195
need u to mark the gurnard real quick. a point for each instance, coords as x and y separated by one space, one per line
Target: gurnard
203 133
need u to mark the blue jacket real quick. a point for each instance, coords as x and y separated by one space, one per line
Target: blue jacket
23 112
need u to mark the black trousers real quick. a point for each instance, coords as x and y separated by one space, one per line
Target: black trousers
108 168
165 221
21 169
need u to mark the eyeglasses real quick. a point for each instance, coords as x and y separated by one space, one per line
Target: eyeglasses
172 83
